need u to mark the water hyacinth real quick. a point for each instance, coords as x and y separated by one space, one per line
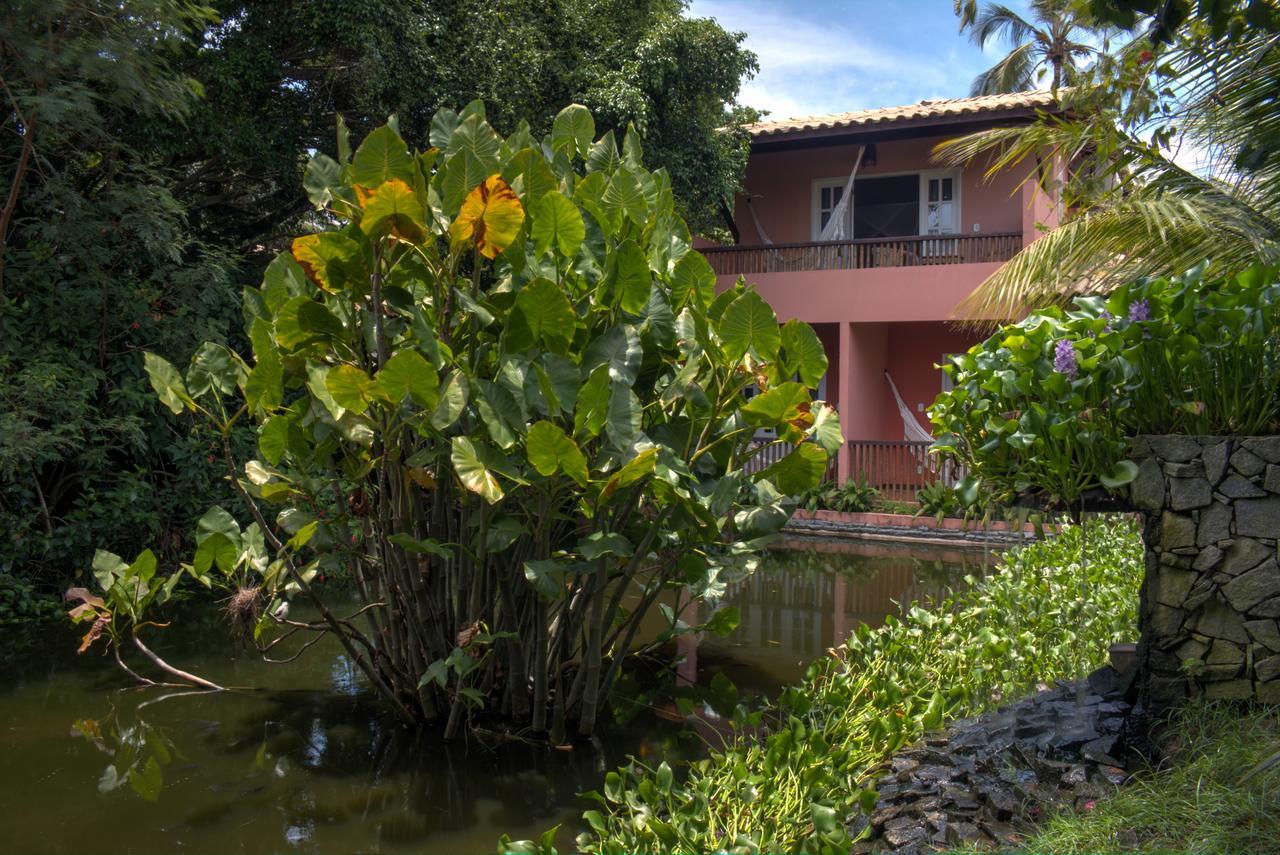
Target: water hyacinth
1139 310
1064 359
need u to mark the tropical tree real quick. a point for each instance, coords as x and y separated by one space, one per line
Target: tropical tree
1055 41
1115 152
502 395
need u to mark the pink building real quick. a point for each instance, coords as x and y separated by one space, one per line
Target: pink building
879 274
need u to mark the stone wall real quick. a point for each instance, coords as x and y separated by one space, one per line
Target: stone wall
1211 597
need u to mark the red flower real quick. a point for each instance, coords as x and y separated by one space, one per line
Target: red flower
135 325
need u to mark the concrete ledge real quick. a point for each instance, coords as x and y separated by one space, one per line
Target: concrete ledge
876 526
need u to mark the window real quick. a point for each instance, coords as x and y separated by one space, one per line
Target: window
886 206
889 206
826 196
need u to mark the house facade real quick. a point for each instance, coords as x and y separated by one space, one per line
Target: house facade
879 274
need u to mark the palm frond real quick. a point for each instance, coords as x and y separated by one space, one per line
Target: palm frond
1014 73
996 21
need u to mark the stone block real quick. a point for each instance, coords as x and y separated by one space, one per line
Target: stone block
1218 673
1243 554
1271 481
1191 469
1177 530
1247 463
1217 620
1201 591
1224 653
1266 447
1188 493
1177 448
1191 649
1172 586
1166 622
1253 586
1214 525
1239 487
1147 489
1214 458
1267 608
1268 693
1258 517
1267 669
1229 690
1265 632
1208 558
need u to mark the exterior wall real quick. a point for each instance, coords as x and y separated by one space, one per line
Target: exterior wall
780 184
1211 595
880 294
913 351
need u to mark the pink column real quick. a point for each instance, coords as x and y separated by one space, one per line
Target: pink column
1040 209
864 353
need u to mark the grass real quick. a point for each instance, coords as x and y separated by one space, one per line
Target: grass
1197 800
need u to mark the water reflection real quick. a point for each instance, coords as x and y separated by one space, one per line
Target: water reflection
312 765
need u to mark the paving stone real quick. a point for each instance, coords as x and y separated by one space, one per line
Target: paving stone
1177 530
1209 556
1188 493
1146 491
1239 487
1243 554
1271 481
1265 632
1258 517
1253 586
1247 463
1233 690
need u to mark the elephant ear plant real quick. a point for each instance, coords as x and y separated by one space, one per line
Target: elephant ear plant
498 389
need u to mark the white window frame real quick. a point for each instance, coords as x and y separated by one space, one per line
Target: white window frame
815 204
817 185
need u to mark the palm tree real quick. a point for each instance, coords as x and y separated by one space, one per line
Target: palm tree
1129 209
1050 41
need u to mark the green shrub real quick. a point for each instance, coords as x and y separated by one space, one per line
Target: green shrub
797 788
1046 406
20 603
850 497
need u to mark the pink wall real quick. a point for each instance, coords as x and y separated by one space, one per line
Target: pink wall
925 293
913 351
780 183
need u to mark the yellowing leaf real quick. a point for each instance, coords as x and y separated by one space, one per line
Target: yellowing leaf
393 208
491 217
328 259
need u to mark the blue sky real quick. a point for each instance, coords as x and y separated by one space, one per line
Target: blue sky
819 56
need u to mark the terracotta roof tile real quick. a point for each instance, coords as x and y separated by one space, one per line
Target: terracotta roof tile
888 115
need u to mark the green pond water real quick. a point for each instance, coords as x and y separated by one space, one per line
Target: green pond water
307 762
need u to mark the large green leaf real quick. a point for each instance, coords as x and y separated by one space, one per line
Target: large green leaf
573 130
453 399
474 136
322 179
826 429
604 155
408 373
459 176
284 278
264 388
625 415
556 222
601 543
393 208
548 576
382 156
551 450
593 404
693 281
803 353
620 350
302 321
630 278
497 409
778 405
214 368
625 194
750 326
800 470
529 169
472 472
167 383
547 313
350 387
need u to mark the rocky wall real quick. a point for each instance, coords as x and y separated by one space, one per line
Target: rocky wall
1211 596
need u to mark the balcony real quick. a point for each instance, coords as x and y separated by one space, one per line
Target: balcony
864 253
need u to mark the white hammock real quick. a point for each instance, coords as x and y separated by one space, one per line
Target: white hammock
911 430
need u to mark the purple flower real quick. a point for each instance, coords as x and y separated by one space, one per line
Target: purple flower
1107 316
1139 310
1064 359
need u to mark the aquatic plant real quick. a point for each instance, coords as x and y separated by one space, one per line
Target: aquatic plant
497 387
802 786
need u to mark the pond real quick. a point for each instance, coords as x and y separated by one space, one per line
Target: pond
311 765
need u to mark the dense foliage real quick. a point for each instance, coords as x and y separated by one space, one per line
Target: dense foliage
151 162
798 787
503 394
1046 406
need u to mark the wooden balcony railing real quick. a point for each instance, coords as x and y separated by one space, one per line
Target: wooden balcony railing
898 468
864 253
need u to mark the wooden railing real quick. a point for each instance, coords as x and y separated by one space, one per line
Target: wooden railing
898 468
764 453
864 253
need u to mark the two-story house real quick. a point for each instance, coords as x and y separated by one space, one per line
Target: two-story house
848 222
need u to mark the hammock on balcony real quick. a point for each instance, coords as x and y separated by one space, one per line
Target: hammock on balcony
911 430
838 225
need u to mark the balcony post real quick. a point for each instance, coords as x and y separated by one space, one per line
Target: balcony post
844 462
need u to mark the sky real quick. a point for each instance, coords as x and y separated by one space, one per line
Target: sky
821 56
